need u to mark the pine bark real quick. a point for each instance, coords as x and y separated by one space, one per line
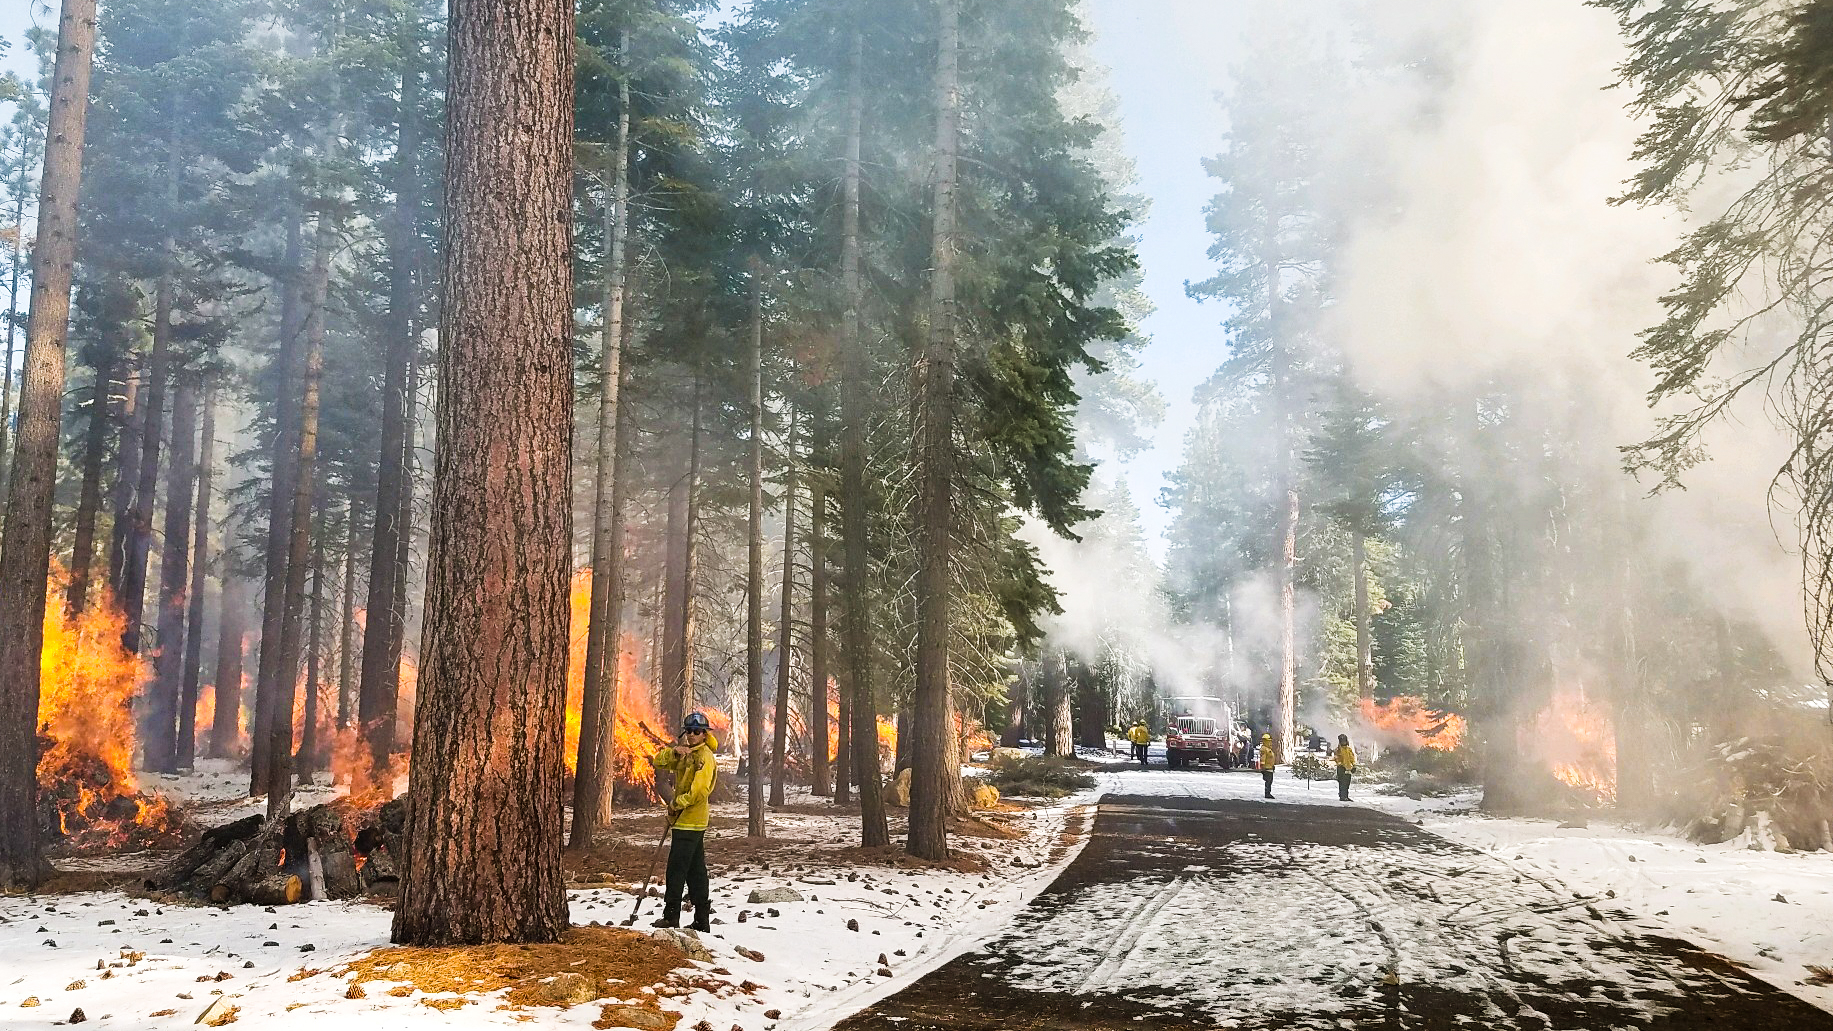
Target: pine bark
25 545
1016 703
754 578
89 502
226 685
598 704
483 832
779 738
817 642
279 511
932 779
854 514
378 689
174 587
200 569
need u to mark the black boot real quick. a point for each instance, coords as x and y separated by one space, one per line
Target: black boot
667 921
701 923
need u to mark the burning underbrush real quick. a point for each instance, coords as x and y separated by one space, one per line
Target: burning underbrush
1410 725
1575 739
88 796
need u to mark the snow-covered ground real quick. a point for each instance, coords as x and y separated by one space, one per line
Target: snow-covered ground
127 962
804 966
1770 911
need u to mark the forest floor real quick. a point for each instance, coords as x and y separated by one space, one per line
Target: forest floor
128 961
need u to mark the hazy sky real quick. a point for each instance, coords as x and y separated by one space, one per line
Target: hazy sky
1168 59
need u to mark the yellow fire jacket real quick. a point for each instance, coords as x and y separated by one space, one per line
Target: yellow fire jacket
1268 757
1139 735
1346 759
695 773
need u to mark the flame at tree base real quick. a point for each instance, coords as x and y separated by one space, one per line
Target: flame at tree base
1576 739
87 685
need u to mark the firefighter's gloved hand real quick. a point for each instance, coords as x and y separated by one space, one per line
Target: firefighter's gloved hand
673 814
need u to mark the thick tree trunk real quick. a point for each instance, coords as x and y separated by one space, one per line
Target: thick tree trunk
754 577
378 690
1091 708
174 587
25 547
306 763
598 697
226 686
279 731
932 779
1016 701
779 738
279 512
89 502
817 641
855 614
200 569
484 816
1058 737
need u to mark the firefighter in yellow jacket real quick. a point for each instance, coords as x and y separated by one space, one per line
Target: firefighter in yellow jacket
691 759
1346 765
1268 759
1141 738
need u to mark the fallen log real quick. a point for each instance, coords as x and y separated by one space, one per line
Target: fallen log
208 847
276 889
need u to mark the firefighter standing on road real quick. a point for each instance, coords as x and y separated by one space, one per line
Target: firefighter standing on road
1346 765
691 758
1140 737
1268 759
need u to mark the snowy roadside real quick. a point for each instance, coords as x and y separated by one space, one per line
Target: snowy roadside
863 929
1770 912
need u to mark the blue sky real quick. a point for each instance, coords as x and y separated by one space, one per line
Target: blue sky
1168 60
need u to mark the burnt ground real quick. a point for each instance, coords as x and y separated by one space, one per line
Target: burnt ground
1196 913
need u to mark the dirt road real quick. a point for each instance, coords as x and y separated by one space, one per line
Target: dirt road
1199 913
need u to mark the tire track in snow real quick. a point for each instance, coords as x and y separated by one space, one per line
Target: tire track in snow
1143 918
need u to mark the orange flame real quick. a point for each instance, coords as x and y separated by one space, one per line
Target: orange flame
887 741
1409 724
86 690
630 746
1577 740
